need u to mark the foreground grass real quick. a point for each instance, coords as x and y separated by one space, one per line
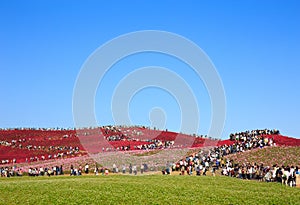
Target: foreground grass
152 189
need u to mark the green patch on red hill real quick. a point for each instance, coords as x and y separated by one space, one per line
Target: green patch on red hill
283 155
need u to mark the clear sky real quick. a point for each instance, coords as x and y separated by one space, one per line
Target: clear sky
254 45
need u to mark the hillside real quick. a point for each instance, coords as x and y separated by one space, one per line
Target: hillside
32 145
37 146
269 156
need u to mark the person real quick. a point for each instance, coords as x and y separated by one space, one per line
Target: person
54 170
275 168
292 178
86 168
204 171
79 170
102 170
123 169
72 170
182 169
268 176
225 172
114 168
279 174
61 170
297 175
96 170
142 168
57 170
198 173
134 170
168 168
213 171
42 172
49 172
75 172
286 175
297 170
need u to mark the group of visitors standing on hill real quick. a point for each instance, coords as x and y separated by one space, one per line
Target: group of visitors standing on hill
10 171
32 171
49 171
207 159
213 159
282 174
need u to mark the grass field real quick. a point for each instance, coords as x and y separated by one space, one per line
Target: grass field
151 189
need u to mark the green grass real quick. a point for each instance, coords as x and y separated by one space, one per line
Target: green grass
151 189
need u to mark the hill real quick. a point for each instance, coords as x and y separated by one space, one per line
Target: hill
31 145
51 147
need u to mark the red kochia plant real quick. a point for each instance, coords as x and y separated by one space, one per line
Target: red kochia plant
284 140
32 144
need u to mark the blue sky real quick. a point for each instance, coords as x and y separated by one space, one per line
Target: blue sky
254 45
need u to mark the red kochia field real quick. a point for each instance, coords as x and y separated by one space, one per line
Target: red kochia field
39 144
33 145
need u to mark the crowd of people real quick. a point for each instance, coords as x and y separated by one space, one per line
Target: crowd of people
46 171
213 159
116 133
132 169
124 169
149 145
74 170
59 152
54 151
206 160
242 143
253 133
10 171
282 174
65 152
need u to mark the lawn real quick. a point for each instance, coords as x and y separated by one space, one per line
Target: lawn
150 189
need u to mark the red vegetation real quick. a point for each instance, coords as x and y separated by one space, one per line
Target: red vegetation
20 145
284 140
